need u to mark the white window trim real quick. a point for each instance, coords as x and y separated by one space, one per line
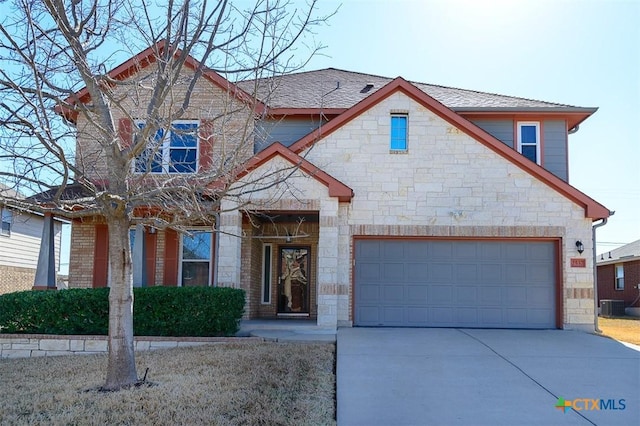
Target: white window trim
166 149
406 116
210 260
619 267
4 213
266 279
538 142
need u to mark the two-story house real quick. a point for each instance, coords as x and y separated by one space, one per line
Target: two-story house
409 205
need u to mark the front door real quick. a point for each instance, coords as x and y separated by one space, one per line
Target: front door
293 280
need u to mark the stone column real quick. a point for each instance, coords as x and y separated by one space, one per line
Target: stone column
139 258
229 254
46 269
328 265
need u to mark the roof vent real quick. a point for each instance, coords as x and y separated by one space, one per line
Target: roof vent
366 88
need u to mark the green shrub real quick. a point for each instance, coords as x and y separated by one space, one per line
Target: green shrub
158 311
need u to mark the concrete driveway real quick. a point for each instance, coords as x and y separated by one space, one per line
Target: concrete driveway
392 376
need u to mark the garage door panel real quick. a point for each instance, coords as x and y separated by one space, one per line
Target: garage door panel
539 273
541 252
369 271
491 296
515 252
466 273
393 272
516 273
393 315
417 294
370 315
457 283
440 295
491 273
369 249
539 296
491 316
393 293
394 250
417 317
416 271
415 251
516 296
465 250
466 295
490 251
369 293
440 272
441 250
441 316
467 316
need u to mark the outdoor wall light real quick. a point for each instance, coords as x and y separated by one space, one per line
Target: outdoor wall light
579 246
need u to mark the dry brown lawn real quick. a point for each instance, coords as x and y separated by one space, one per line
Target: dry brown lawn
223 384
625 329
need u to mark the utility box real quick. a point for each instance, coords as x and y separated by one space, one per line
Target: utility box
611 308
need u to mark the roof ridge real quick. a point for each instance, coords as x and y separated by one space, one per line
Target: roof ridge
492 93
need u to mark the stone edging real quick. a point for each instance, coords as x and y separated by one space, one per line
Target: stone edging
37 345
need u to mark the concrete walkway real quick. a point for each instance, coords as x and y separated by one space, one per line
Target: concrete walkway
287 331
484 377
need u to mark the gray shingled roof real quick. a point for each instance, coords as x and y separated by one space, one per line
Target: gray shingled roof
625 253
334 88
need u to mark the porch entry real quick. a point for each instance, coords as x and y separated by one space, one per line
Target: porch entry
293 280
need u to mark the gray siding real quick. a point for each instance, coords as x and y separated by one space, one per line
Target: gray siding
554 136
555 148
286 131
22 247
499 129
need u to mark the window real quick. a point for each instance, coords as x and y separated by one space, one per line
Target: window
195 259
266 273
529 140
172 151
399 132
7 219
619 283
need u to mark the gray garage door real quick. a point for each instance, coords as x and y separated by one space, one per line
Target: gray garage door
427 283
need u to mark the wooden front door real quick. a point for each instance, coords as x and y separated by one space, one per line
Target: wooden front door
293 280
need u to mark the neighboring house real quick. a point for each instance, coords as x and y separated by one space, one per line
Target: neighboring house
20 237
412 205
619 276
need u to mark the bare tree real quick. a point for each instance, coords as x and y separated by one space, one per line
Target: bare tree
98 143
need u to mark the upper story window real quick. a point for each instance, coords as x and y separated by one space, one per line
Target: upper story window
399 126
171 151
7 220
619 283
529 140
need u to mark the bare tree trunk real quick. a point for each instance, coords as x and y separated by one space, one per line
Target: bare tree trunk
121 370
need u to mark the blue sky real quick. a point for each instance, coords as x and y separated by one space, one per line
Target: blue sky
583 53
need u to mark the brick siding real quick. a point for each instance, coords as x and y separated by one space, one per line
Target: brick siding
13 278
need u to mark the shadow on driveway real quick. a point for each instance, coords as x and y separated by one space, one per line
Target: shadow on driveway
404 376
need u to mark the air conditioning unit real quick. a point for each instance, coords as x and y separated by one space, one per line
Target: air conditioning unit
612 308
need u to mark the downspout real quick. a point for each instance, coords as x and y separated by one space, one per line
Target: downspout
595 271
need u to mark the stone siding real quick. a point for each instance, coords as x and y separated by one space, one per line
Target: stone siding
33 345
447 184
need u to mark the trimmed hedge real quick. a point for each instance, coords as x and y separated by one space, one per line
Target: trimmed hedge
157 311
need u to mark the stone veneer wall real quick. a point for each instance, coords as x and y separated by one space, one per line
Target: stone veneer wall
446 184
14 278
34 345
